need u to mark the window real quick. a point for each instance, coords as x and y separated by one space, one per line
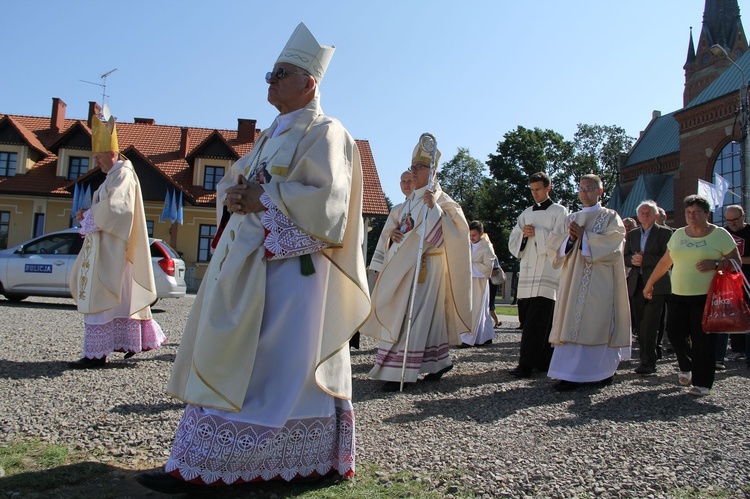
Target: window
150 228
205 237
8 161
59 244
729 165
212 176
4 226
77 167
38 224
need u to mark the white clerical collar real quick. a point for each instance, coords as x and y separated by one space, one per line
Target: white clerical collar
284 121
116 166
596 207
417 194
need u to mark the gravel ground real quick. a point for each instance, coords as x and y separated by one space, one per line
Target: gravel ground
640 437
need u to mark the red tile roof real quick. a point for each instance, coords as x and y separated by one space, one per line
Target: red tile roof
160 146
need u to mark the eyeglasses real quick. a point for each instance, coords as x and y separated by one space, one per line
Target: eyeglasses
587 189
733 219
416 168
282 73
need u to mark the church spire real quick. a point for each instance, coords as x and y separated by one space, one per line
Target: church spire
691 51
721 23
722 26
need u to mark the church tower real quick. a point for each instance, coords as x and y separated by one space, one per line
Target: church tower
722 26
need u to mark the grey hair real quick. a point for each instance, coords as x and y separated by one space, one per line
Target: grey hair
651 204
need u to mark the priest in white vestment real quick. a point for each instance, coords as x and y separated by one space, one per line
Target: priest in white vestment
482 260
442 302
112 280
537 279
591 326
264 363
388 235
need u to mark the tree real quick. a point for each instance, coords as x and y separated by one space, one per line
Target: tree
522 153
461 176
597 149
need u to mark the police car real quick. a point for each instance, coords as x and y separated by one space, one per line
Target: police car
41 267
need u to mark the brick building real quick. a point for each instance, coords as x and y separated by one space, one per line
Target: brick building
703 137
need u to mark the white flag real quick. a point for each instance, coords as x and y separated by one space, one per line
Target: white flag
722 187
710 192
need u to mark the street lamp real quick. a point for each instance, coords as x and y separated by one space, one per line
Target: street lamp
719 51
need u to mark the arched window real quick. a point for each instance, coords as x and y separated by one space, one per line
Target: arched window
729 165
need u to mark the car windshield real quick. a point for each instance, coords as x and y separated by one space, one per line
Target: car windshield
63 244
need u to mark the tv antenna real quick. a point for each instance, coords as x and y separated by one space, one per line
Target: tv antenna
103 84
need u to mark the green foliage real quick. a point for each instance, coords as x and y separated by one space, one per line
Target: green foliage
30 456
460 177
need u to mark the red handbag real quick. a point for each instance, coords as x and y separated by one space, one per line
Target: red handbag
726 310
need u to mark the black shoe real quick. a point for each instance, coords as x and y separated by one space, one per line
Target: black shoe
487 343
391 386
86 363
520 372
465 345
165 483
645 371
659 354
436 376
128 355
610 380
565 386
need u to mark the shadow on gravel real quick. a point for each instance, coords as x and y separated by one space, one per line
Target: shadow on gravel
482 409
45 306
664 404
96 480
32 370
148 408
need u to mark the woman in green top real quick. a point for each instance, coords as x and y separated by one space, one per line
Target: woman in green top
695 253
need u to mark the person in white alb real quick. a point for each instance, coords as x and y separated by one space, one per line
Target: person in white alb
264 360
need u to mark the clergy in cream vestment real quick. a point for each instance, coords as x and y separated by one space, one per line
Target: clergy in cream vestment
264 363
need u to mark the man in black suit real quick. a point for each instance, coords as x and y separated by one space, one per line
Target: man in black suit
644 247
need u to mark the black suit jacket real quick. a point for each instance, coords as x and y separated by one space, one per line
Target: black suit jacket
656 246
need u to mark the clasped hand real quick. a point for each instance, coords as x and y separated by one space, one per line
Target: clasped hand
575 231
244 197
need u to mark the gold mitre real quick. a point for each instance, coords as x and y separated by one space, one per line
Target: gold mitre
420 156
103 135
304 51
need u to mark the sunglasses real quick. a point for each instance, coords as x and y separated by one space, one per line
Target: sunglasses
733 219
282 73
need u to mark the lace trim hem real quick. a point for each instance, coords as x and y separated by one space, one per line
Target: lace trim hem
209 449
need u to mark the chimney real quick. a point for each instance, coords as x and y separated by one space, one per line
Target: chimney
184 142
94 110
144 121
57 121
245 130
655 114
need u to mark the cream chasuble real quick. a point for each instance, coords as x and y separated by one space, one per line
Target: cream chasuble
390 295
321 193
97 275
592 306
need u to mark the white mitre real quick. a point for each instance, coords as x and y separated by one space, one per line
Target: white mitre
304 51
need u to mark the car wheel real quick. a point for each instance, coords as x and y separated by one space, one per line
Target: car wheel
16 298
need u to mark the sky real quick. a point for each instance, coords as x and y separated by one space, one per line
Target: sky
468 72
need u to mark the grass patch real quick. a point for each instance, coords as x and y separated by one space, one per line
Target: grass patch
37 470
506 310
20 457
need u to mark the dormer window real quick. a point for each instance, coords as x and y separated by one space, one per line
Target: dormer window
8 162
77 166
211 177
